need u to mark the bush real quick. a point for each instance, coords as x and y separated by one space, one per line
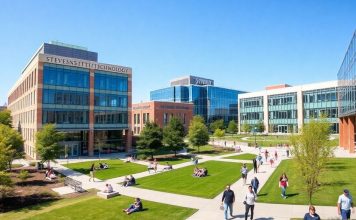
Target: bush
23 175
219 133
5 185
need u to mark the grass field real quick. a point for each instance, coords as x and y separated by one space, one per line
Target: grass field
339 174
181 181
242 157
210 150
117 168
91 207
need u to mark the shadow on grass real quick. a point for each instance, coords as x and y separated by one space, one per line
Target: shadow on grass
36 183
28 203
262 194
292 194
335 183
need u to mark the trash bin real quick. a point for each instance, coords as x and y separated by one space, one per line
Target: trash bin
39 166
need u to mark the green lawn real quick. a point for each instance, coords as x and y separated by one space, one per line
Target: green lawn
261 140
92 207
116 168
173 160
181 181
210 150
242 157
339 175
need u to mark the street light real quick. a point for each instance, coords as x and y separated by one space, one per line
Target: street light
254 132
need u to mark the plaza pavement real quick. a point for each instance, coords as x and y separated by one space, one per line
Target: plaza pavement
208 209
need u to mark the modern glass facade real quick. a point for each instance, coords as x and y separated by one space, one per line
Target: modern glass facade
321 102
209 101
347 98
251 110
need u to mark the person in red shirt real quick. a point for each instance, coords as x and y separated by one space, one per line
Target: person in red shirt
283 184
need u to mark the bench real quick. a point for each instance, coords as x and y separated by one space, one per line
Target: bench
77 185
107 195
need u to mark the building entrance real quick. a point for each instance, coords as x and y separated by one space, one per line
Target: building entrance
282 129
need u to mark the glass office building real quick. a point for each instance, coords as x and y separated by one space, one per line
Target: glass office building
209 101
284 108
347 97
89 101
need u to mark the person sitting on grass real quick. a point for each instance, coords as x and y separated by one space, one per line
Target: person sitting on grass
168 167
126 180
196 171
50 174
137 206
130 182
108 188
202 172
103 166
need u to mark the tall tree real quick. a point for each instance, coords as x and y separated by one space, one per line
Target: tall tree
5 117
232 127
260 126
173 135
47 143
150 139
198 133
217 124
5 184
312 150
245 127
11 144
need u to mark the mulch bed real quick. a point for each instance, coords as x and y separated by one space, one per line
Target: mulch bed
32 191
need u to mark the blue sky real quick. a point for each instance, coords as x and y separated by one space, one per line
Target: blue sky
244 45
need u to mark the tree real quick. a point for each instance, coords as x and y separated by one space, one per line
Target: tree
150 138
47 143
11 145
5 117
246 127
260 126
232 127
219 133
5 184
23 175
173 135
312 150
217 124
198 133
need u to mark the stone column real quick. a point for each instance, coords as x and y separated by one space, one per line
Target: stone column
91 114
128 132
351 131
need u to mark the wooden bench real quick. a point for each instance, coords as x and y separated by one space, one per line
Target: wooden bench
107 195
75 184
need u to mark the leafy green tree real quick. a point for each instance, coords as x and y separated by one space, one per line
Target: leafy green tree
260 126
312 149
47 143
217 124
150 139
198 118
23 175
5 117
198 133
219 133
5 184
173 135
232 127
245 127
11 145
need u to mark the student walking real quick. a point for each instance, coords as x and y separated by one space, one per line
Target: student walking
255 183
155 163
283 184
254 162
228 200
345 205
275 155
244 172
266 155
311 215
249 202
91 172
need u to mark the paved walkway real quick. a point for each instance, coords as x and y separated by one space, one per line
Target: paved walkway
209 208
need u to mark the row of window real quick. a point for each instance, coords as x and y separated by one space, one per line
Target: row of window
283 99
288 114
24 102
320 96
110 117
62 97
316 113
145 118
252 102
28 83
65 117
252 116
110 82
110 100
65 76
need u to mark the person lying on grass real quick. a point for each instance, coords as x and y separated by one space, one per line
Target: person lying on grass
137 206
168 167
200 172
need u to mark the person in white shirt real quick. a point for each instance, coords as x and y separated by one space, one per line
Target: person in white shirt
345 205
108 188
249 202
244 172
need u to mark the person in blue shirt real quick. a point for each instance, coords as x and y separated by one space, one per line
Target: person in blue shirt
311 215
255 184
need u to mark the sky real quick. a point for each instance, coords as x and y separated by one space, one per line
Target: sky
244 45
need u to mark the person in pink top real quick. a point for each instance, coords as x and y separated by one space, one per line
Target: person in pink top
283 184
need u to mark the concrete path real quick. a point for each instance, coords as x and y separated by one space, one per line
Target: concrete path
209 208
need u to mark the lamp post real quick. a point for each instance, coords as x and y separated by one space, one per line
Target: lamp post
66 152
254 132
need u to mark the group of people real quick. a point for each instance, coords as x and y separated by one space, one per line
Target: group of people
200 172
129 181
50 175
152 165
